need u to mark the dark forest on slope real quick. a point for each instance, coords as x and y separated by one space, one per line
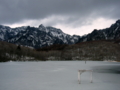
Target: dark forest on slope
93 50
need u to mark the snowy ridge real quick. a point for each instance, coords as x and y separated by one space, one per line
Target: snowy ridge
45 36
7 32
36 37
59 75
111 33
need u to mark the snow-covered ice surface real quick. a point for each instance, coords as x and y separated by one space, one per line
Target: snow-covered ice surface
59 75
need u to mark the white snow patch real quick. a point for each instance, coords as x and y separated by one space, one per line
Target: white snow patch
58 75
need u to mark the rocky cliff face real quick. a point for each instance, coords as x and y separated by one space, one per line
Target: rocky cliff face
111 33
36 37
46 36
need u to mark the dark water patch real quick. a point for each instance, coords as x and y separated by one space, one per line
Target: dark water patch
107 69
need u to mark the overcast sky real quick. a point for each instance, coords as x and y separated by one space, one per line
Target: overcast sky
71 16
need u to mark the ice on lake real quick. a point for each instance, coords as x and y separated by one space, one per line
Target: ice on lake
59 75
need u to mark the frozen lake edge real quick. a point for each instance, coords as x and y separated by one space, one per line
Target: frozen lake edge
57 75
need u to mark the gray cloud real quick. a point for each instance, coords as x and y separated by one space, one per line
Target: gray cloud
77 11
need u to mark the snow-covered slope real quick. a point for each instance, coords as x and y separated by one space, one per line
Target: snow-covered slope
36 37
45 36
59 75
7 32
111 33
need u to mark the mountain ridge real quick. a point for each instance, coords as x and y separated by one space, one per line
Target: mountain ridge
36 37
110 33
42 36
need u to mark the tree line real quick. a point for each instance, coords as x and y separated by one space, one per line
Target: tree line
9 51
92 50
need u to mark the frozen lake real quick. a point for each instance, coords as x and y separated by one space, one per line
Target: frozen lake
59 75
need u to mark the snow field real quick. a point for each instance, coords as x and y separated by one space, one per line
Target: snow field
58 75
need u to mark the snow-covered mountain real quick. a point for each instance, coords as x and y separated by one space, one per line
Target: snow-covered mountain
111 33
36 37
7 32
44 36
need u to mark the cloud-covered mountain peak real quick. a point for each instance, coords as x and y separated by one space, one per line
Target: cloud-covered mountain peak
41 26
